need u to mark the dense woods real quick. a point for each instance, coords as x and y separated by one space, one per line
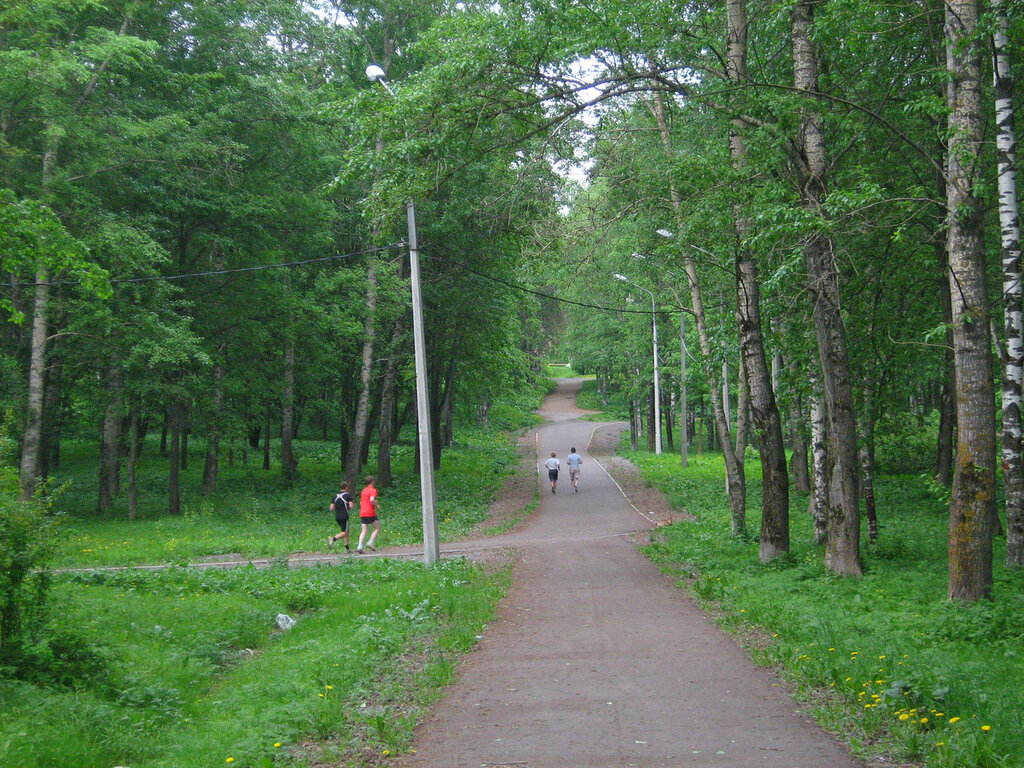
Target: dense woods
202 228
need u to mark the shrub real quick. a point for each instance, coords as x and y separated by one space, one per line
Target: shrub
27 537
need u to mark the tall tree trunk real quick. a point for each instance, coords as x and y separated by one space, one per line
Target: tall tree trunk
947 405
388 402
1013 299
819 463
867 457
49 437
175 419
31 437
110 437
742 408
842 546
210 465
266 437
973 495
798 473
736 484
134 444
289 464
360 427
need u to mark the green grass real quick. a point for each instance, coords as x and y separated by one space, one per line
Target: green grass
559 371
589 399
884 659
186 668
189 669
255 514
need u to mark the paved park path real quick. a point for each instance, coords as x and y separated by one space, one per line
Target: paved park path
596 660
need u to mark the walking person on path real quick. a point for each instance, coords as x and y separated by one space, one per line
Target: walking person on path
341 506
575 461
368 516
553 464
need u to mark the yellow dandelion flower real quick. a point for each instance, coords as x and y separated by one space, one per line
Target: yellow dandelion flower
924 721
329 687
940 743
954 719
277 743
882 656
986 728
386 752
904 716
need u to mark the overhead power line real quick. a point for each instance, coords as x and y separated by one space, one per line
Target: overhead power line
339 257
216 272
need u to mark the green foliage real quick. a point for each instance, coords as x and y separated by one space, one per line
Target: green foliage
28 537
892 661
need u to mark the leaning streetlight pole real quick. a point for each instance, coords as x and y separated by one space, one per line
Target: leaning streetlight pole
657 378
431 547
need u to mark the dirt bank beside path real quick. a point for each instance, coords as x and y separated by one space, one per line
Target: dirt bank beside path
596 660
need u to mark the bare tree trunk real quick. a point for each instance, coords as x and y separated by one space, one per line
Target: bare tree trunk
973 495
210 466
799 475
742 408
266 437
30 441
175 419
289 464
360 427
947 406
819 464
110 435
867 457
49 437
389 396
842 546
736 484
1013 299
134 441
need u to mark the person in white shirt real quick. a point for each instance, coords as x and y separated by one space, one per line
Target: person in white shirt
553 464
575 461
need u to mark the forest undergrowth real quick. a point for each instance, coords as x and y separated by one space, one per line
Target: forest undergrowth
884 660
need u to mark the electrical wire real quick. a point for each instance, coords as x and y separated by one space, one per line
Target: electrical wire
338 257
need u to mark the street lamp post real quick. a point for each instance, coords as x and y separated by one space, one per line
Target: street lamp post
684 450
657 378
431 548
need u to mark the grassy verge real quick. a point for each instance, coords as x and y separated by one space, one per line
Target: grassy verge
185 668
883 660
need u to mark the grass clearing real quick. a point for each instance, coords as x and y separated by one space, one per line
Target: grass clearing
884 659
189 669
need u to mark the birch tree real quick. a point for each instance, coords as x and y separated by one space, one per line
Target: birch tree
810 159
1013 302
973 494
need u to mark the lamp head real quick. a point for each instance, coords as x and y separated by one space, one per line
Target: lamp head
376 74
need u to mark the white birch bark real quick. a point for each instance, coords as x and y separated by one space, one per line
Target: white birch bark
819 464
1013 303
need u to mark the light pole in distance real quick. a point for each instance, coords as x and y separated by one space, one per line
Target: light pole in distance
657 378
431 548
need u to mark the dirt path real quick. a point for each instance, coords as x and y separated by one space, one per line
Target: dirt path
595 659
